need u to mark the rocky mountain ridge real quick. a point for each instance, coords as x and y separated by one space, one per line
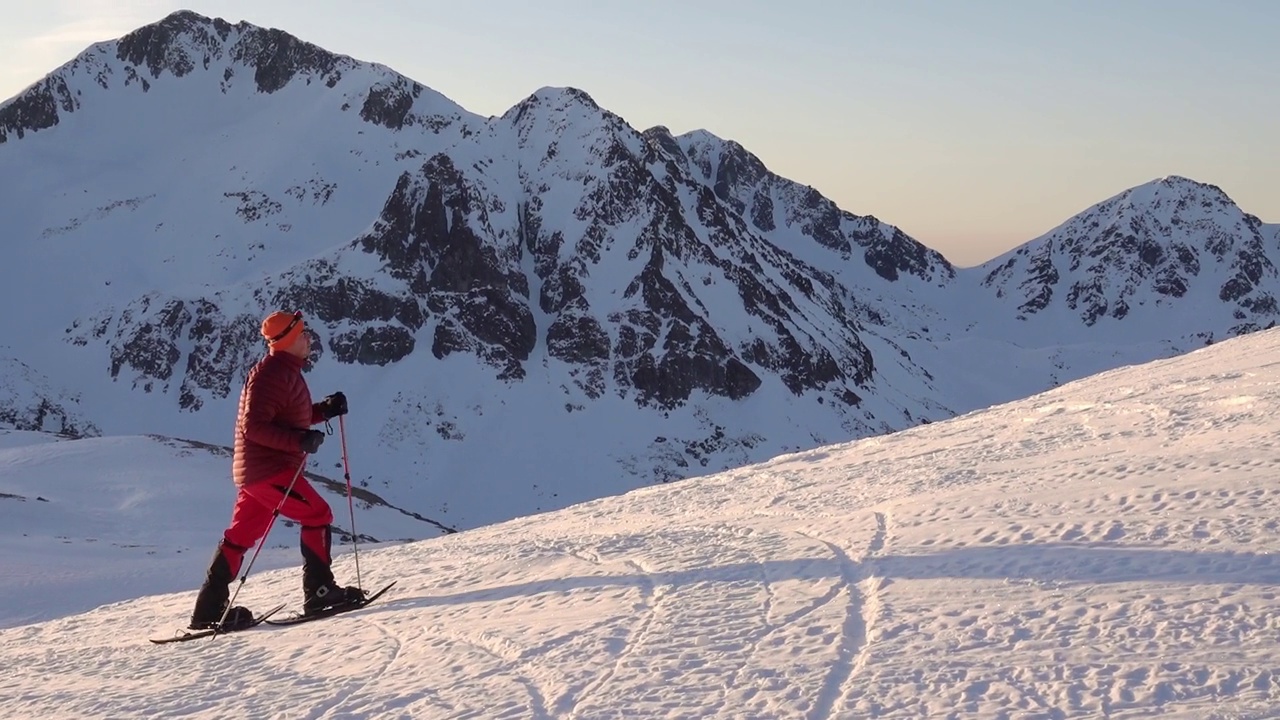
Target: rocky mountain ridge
1155 244
550 289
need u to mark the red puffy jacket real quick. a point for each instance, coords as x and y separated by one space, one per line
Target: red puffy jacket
275 407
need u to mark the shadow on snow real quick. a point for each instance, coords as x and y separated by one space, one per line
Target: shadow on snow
1052 563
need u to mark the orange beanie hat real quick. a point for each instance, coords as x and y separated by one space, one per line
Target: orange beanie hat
282 328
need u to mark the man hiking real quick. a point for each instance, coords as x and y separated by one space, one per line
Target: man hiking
273 436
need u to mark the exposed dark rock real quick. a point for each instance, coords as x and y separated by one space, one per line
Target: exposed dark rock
1042 278
395 237
168 45
320 289
762 210
389 106
46 415
896 253
562 288
184 40
692 355
1150 252
743 183
577 339
1170 283
222 351
738 174
150 347
820 220
380 345
277 57
424 238
36 109
254 205
1162 243
28 402
662 137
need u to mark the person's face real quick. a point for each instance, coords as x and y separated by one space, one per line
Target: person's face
302 346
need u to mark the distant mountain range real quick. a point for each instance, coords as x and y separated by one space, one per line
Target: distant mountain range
535 309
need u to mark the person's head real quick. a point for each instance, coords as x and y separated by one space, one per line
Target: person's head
285 332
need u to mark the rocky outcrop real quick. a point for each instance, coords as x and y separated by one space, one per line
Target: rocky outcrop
775 206
554 259
36 109
185 43
30 401
1149 245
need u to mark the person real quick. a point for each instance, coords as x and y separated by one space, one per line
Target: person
273 435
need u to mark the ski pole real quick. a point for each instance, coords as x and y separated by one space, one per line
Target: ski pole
346 471
274 514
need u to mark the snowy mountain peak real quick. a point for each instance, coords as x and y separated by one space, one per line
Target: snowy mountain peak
1180 192
559 105
184 44
561 98
181 41
556 122
550 283
1150 246
798 216
554 252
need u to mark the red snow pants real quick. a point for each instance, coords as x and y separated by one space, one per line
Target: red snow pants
251 517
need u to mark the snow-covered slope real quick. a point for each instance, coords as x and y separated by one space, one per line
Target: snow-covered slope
95 520
1106 549
533 309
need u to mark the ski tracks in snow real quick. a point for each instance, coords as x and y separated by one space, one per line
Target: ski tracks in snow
350 694
861 587
651 596
768 619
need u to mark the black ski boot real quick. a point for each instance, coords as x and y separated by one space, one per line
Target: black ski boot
330 595
319 591
238 618
213 597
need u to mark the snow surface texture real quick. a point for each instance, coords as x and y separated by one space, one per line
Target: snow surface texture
1105 549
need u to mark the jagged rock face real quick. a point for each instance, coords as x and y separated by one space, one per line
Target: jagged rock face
169 45
474 288
465 259
184 43
588 269
29 401
46 415
147 336
201 351
1151 244
691 355
199 346
644 208
379 325
548 291
36 109
774 204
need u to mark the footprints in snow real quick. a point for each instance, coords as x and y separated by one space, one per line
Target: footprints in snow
1148 516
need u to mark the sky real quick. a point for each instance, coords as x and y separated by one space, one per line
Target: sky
1105 549
975 126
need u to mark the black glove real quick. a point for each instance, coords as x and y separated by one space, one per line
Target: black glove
333 406
311 440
